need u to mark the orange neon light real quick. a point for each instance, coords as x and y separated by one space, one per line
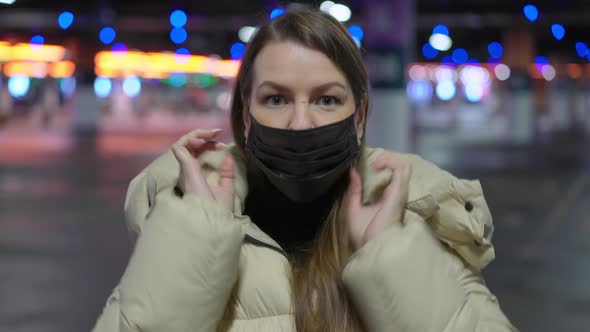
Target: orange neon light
5 51
119 63
30 69
29 52
574 71
160 65
534 72
155 75
38 69
159 62
105 72
62 69
226 68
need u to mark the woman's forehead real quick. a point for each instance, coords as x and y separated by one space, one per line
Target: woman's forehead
294 65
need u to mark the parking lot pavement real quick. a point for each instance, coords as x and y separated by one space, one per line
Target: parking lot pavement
64 246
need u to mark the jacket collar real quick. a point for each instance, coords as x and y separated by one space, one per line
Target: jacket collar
432 193
373 185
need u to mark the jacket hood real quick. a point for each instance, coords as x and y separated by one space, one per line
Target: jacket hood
455 209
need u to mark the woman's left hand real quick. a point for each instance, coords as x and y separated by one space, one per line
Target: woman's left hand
365 222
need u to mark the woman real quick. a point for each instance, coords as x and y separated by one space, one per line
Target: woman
299 226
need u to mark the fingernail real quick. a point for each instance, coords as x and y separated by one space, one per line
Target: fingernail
376 164
216 130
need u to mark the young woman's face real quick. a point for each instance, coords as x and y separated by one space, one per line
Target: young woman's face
295 87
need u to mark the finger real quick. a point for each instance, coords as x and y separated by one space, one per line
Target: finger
204 133
176 150
395 195
191 175
220 146
355 190
394 186
224 191
226 172
198 133
400 176
197 146
197 142
400 168
182 155
187 163
390 160
194 143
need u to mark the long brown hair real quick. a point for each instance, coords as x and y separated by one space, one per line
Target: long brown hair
321 302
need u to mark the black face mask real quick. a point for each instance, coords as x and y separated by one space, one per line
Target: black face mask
303 164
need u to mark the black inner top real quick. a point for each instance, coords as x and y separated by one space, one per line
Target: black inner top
293 225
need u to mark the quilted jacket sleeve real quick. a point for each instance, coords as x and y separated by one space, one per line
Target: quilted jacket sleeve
183 267
406 280
424 275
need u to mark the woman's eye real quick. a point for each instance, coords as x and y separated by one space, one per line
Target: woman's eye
275 100
328 101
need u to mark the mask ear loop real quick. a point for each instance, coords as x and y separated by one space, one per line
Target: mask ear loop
252 120
358 139
249 116
356 110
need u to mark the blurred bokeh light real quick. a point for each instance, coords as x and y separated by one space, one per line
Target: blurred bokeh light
92 91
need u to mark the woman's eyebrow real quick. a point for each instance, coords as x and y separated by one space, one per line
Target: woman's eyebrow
321 87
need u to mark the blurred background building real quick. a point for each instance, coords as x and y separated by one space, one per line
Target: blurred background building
91 91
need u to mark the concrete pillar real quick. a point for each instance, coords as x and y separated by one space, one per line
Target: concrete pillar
584 102
559 104
87 110
389 37
122 104
519 54
6 101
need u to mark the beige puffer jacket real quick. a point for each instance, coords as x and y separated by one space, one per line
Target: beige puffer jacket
199 267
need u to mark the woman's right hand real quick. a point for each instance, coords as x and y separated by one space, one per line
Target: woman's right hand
187 151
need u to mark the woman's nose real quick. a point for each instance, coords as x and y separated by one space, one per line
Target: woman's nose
301 117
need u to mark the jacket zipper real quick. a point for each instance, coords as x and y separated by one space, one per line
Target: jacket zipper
258 243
